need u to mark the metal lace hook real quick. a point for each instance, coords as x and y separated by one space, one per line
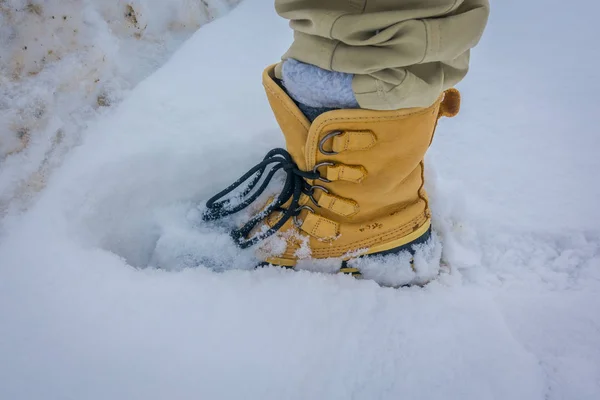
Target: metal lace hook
325 139
323 164
298 210
311 193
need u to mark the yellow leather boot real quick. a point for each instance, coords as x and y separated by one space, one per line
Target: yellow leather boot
354 184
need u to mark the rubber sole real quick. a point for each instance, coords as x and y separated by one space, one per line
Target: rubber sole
345 269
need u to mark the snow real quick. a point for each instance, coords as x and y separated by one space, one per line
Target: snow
64 63
514 315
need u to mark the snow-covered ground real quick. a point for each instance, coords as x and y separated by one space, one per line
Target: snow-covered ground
64 63
514 186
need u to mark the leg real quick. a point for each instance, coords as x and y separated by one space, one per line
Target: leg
355 177
402 53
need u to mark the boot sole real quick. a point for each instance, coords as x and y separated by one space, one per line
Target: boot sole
345 269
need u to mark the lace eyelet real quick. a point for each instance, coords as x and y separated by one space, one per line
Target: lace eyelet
325 139
323 164
297 222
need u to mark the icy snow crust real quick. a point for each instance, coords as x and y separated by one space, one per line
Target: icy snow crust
514 315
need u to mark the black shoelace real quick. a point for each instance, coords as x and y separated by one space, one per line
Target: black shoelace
219 206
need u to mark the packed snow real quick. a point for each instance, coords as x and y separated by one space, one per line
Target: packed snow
105 290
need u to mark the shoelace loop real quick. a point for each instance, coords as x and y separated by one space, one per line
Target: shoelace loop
220 206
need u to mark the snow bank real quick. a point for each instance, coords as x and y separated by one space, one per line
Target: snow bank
64 62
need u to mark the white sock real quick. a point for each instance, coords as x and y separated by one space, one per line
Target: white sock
317 87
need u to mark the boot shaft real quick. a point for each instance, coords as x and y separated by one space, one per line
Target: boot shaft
371 162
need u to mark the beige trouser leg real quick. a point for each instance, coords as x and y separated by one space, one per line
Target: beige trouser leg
403 53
